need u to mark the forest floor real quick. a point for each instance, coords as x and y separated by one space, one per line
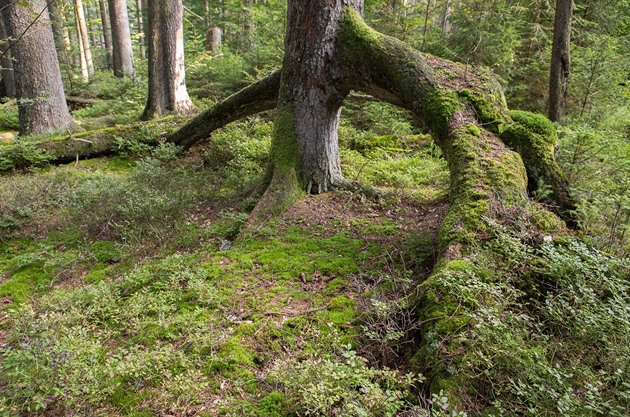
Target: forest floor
128 285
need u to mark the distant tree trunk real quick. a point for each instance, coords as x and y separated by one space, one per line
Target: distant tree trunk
213 39
106 33
167 76
8 79
446 16
142 37
39 89
57 15
121 37
247 26
83 38
213 33
560 59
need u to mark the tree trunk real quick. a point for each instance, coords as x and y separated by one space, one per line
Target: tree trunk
167 77
142 38
107 36
121 39
560 59
64 45
8 79
84 38
39 89
214 40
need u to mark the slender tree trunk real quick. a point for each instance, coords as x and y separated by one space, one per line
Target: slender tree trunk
167 76
8 79
560 59
107 36
142 37
121 37
39 89
247 26
85 74
91 22
83 35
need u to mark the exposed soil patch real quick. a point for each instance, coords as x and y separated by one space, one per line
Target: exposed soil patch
330 213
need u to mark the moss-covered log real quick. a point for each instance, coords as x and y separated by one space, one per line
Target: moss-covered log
65 149
258 97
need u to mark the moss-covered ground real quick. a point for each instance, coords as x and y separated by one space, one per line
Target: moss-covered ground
128 286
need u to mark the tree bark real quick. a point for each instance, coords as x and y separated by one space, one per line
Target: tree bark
167 77
121 39
140 20
84 37
39 89
560 59
214 40
6 63
107 36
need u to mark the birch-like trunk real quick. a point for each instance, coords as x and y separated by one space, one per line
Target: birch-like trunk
84 37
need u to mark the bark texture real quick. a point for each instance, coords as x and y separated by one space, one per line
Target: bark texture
560 59
121 39
107 35
39 89
8 79
213 39
167 77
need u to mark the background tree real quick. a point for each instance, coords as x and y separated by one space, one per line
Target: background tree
107 34
121 38
560 59
167 76
6 64
84 40
39 88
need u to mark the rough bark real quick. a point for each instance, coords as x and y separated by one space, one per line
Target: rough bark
121 39
167 77
84 37
213 40
39 89
560 59
107 36
8 79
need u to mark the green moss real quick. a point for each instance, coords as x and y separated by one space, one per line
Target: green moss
438 110
273 405
474 129
105 251
489 109
534 137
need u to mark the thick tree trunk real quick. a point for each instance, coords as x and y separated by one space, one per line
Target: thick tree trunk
6 63
41 99
121 39
560 59
84 37
107 36
167 77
